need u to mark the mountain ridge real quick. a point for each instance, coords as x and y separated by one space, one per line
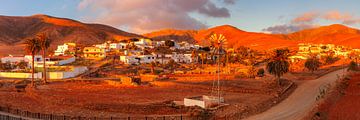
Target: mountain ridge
14 29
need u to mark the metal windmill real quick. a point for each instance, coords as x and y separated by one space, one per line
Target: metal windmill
218 46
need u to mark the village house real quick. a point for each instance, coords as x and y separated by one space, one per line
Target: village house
56 61
94 53
306 50
143 42
182 57
140 59
117 46
105 46
13 59
69 48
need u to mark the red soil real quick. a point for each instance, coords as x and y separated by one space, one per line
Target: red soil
348 107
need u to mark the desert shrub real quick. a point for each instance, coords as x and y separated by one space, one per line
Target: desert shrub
261 72
353 66
331 59
251 72
312 64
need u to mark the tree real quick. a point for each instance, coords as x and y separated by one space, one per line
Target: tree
203 58
44 44
32 47
353 66
194 55
22 64
261 72
252 72
312 64
171 65
162 51
169 43
278 65
152 65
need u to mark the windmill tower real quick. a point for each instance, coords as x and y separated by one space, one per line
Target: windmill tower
218 49
219 44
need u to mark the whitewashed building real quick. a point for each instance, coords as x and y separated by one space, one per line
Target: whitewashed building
62 49
182 58
142 41
142 59
118 46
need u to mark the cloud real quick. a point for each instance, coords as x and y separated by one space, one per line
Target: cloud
345 18
148 15
211 10
287 28
306 21
308 17
229 1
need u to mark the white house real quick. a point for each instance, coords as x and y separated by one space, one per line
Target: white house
147 58
117 46
128 59
13 59
16 59
105 46
182 58
56 61
132 59
61 49
143 42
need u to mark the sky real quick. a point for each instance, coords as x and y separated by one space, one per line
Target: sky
142 16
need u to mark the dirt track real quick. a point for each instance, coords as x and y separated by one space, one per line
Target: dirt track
301 102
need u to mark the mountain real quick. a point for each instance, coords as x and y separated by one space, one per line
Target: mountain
13 31
234 36
332 34
178 35
237 38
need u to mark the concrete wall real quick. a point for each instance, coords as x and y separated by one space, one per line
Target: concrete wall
19 75
69 74
194 102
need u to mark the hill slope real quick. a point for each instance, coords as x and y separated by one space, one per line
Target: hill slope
13 30
333 34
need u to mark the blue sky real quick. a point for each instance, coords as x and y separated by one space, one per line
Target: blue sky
248 15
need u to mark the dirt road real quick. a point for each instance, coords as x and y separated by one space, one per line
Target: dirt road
300 102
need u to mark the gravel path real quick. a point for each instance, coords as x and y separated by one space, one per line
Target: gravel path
300 102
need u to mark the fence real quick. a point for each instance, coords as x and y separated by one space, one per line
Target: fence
7 117
22 115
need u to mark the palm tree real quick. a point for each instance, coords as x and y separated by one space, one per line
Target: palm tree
152 65
194 55
32 47
312 64
279 64
203 58
44 44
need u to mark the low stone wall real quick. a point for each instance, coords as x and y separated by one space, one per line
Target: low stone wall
19 75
